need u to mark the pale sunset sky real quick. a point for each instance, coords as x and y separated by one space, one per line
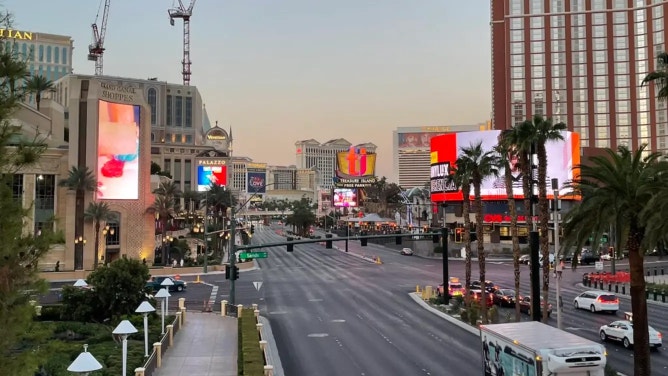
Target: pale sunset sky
279 71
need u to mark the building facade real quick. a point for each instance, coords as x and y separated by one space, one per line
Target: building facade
411 151
310 154
582 63
47 55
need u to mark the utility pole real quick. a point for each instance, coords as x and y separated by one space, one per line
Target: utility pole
233 250
557 260
534 245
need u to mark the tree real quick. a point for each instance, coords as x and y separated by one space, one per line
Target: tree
619 189
37 85
20 252
80 180
219 199
507 155
660 77
460 177
98 213
302 216
164 209
482 164
382 197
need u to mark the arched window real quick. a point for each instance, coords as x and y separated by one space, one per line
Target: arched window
153 103
48 54
41 53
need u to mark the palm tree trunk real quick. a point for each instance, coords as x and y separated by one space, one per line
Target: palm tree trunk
79 228
641 358
481 249
544 213
38 98
163 246
513 233
467 235
97 244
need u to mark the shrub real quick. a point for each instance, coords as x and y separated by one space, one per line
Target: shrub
474 313
493 315
51 313
464 315
251 358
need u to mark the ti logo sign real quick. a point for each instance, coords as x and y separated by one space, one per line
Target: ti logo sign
357 165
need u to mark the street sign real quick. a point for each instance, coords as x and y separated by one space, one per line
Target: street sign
257 285
598 265
253 255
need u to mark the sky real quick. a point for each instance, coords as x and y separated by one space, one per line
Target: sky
279 71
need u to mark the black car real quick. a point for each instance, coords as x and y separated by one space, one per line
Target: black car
504 297
589 257
155 284
489 286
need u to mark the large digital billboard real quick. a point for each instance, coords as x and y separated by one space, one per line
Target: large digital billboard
257 182
210 174
563 156
355 168
118 151
345 197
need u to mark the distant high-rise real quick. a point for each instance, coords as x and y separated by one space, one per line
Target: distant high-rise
582 63
322 158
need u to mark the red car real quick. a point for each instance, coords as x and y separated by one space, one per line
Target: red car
525 305
476 296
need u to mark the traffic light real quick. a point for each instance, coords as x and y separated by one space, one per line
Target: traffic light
227 272
252 229
290 247
458 235
328 243
435 239
231 272
397 239
363 240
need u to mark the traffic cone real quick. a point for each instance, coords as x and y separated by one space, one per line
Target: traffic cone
197 280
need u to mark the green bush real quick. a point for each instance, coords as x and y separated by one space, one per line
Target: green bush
474 313
51 312
493 315
251 358
464 315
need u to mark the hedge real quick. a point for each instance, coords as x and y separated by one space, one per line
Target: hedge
251 359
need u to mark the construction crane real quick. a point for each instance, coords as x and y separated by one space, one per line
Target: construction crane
185 13
96 49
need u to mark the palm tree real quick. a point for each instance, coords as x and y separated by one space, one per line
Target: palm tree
12 71
219 198
164 208
660 77
461 178
507 152
97 212
37 85
81 180
621 189
190 198
482 164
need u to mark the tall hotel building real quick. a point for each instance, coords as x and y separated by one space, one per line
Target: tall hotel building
322 158
580 62
411 151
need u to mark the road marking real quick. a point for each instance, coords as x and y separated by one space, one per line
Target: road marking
212 297
257 285
318 335
277 313
315 300
338 320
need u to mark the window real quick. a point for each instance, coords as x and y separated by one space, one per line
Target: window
558 46
153 103
178 111
17 187
558 33
578 32
187 172
599 31
639 15
64 55
189 112
41 53
601 120
537 34
516 7
600 43
621 55
598 19
517 47
623 106
536 6
624 132
598 5
579 70
619 17
537 84
169 110
621 80
48 54
517 72
641 53
56 55
516 23
537 22
538 72
579 45
189 139
600 94
622 93
517 60
621 68
537 47
601 108
600 68
559 58
620 4
517 35
579 82
658 11
559 71
619 30
517 85
557 21
601 81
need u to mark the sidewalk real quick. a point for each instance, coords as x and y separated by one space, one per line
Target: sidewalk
206 345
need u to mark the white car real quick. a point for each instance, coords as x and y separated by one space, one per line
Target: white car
622 331
407 251
606 257
596 301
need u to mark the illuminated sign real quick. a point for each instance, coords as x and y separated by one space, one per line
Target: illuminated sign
345 197
439 178
259 166
208 174
436 129
257 182
118 151
211 162
16 34
356 163
117 92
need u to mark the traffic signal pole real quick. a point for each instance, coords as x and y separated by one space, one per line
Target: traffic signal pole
232 256
444 237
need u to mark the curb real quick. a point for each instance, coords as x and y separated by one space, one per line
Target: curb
363 257
273 357
418 299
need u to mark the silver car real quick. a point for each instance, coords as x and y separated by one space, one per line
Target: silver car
622 331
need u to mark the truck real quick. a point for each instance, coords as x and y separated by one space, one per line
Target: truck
532 348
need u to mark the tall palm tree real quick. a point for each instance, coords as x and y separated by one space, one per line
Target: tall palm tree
191 199
39 84
169 189
12 71
164 208
460 177
81 180
219 198
619 189
660 77
98 213
507 154
482 165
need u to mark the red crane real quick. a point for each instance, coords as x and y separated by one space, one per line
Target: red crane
184 13
96 49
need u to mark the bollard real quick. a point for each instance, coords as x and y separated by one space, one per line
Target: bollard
616 288
646 294
655 272
182 302
663 296
623 289
139 371
256 313
223 308
157 348
259 328
170 331
240 308
254 305
183 315
179 318
427 293
417 288
654 291
263 345
268 370
38 310
609 287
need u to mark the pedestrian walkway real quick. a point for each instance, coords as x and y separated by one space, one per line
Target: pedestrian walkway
205 346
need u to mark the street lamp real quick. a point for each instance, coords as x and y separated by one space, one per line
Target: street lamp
107 230
557 260
80 283
166 283
162 295
79 243
145 308
201 229
84 364
123 330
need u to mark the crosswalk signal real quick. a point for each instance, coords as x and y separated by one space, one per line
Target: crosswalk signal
397 239
363 240
227 272
458 235
290 247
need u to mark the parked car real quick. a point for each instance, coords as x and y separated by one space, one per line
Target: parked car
525 305
596 301
155 284
406 252
455 288
504 297
606 257
524 259
477 296
489 286
622 331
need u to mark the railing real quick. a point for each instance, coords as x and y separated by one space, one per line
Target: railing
157 356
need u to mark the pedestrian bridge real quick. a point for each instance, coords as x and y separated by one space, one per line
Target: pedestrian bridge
262 213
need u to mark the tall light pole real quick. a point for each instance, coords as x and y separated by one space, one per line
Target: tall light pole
145 308
162 295
123 330
106 231
84 364
557 259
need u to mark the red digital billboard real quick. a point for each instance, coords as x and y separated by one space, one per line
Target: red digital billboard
345 197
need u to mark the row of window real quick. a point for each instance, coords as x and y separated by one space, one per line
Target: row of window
176 166
177 107
45 54
174 138
578 13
